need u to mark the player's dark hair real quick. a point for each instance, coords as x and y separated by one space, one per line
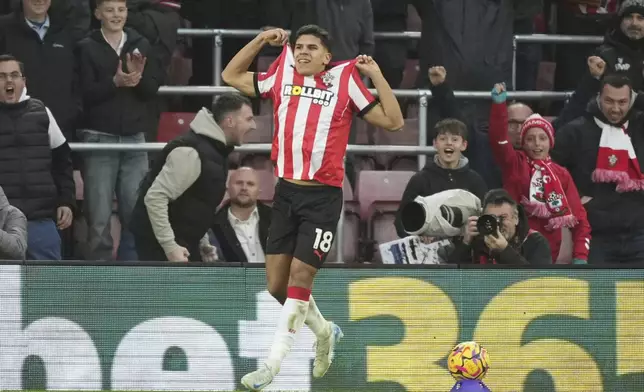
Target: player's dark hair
451 126
615 80
5 58
228 103
315 31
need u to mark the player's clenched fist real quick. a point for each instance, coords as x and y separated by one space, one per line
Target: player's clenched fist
596 66
437 75
367 65
274 37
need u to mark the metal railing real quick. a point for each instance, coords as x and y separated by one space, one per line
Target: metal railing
548 39
422 95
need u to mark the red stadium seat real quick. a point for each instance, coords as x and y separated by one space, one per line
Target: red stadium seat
404 164
264 131
410 74
173 124
263 62
381 190
267 181
351 228
383 231
78 181
379 195
407 137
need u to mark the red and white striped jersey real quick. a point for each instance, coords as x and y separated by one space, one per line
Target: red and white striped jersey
312 117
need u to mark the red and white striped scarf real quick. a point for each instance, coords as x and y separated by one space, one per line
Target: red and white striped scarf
616 159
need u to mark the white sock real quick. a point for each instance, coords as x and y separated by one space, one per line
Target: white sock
315 321
291 321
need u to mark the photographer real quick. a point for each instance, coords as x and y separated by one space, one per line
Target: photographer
500 236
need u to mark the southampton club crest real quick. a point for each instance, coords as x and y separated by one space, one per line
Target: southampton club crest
327 79
612 160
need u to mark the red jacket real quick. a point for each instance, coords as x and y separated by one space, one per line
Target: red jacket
515 168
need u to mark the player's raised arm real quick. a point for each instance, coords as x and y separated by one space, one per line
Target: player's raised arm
387 113
236 72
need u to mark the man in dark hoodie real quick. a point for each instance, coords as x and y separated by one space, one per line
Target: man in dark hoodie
118 79
513 243
601 151
449 169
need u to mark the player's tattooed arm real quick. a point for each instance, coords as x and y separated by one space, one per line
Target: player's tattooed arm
236 72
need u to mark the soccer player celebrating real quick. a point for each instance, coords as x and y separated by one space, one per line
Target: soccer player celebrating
314 103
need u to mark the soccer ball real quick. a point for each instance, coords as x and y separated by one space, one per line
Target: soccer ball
468 361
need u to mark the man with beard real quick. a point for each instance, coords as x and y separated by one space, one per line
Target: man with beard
601 150
513 242
242 223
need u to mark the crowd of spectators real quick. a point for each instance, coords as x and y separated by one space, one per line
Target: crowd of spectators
92 69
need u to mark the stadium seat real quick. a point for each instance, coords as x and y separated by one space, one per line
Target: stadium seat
351 228
267 181
263 62
379 195
407 137
404 164
78 181
383 231
173 124
264 131
380 190
410 74
258 161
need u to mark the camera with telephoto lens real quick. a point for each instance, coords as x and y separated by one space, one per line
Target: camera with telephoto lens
488 225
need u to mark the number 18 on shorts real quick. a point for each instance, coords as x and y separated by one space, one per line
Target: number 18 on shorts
304 221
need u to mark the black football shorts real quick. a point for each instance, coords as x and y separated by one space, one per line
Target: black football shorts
304 221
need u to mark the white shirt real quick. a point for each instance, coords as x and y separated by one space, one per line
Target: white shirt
247 233
119 48
56 138
40 29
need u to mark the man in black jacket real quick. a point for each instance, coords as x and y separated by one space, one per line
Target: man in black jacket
118 80
180 195
46 49
623 47
621 53
513 242
601 150
242 223
35 163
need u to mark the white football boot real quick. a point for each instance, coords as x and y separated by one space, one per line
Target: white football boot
325 350
259 379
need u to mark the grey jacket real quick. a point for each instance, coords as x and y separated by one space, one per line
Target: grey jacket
13 231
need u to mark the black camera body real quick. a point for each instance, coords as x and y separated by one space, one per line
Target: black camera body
488 225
